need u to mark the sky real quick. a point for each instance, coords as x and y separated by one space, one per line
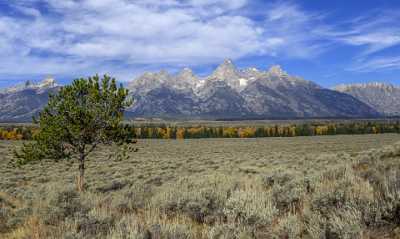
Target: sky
328 42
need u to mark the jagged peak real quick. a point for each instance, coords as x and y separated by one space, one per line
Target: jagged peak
186 75
277 71
163 72
227 64
28 83
186 72
225 71
48 82
252 69
227 61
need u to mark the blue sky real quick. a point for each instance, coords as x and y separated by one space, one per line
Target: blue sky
329 42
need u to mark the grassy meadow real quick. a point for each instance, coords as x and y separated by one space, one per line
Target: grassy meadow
345 186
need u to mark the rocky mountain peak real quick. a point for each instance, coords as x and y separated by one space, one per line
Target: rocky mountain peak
185 80
276 70
228 62
28 83
47 82
186 73
227 70
228 73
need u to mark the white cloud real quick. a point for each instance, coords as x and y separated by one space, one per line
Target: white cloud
373 32
89 35
377 64
137 32
225 4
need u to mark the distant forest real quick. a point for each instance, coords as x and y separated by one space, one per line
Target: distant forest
165 131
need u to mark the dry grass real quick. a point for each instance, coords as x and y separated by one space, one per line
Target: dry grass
303 187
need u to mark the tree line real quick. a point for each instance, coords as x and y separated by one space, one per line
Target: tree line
192 132
305 129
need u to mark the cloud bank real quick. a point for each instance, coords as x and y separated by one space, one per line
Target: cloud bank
125 37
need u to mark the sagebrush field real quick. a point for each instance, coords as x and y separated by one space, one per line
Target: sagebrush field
300 187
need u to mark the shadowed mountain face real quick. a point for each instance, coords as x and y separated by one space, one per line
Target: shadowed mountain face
228 93
219 100
164 102
385 98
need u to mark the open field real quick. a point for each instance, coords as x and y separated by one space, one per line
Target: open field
300 187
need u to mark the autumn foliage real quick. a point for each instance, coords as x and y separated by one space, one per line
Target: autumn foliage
292 130
183 132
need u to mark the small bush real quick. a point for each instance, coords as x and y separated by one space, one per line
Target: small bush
91 227
345 224
250 207
136 197
227 231
113 186
288 188
5 214
289 227
133 227
315 225
60 205
202 200
341 188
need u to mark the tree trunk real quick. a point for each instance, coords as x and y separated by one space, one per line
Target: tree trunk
81 181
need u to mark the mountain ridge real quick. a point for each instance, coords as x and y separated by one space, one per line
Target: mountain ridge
383 97
247 93
228 93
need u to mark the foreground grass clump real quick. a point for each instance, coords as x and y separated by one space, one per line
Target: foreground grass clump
331 196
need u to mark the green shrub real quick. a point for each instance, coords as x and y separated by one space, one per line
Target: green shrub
93 227
202 200
250 207
133 227
289 227
315 225
340 188
5 214
345 224
59 205
227 231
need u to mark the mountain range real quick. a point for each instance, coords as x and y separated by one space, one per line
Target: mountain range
231 93
227 93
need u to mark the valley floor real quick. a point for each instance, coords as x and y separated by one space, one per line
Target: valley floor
300 187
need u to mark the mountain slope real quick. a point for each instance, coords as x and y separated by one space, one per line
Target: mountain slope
384 98
164 102
219 100
278 94
21 103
